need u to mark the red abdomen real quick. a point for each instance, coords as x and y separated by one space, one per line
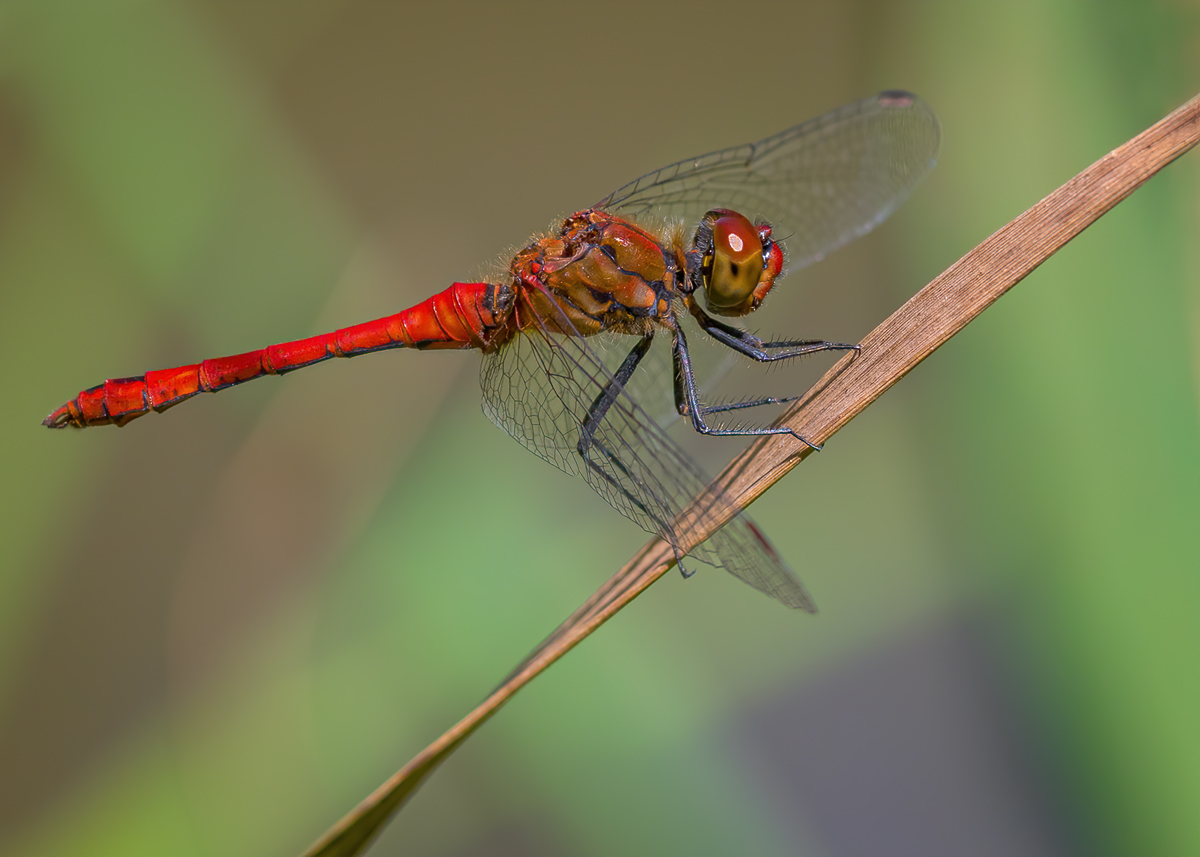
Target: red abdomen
466 315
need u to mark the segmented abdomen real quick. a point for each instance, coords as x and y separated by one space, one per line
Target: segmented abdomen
466 315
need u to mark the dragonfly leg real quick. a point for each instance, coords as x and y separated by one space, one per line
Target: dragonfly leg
589 441
754 348
687 399
741 405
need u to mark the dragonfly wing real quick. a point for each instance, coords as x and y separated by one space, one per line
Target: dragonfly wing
540 388
820 184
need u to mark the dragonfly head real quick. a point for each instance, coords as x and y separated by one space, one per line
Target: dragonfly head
738 262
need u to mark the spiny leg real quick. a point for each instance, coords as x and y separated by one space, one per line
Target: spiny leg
754 348
751 346
687 399
745 403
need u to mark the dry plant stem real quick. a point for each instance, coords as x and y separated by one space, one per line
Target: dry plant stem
906 338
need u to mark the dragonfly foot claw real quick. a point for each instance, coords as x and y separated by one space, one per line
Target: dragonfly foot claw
814 447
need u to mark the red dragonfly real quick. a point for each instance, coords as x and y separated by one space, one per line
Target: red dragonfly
624 272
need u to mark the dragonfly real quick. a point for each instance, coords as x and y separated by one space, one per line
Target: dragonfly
564 333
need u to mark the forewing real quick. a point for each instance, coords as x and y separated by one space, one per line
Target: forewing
820 184
540 388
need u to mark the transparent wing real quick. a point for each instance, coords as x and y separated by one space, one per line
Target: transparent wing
540 388
820 184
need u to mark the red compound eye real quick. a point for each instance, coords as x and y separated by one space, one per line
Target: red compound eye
736 236
737 261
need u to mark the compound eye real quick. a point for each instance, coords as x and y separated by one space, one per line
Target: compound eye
737 262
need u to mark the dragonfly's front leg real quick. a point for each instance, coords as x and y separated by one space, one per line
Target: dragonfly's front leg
687 399
764 352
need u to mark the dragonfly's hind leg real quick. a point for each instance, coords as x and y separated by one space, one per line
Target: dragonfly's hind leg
589 441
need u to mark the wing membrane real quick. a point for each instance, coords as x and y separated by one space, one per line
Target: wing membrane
820 184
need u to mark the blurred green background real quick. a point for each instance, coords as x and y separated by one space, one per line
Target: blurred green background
221 627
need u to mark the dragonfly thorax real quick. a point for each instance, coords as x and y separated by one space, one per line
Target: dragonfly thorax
597 273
